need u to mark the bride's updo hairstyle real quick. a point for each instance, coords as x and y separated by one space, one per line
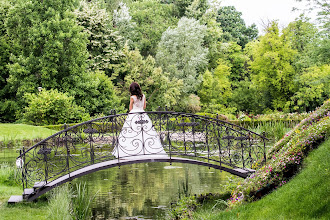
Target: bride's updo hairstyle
135 89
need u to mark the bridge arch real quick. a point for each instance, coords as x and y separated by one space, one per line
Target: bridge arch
185 138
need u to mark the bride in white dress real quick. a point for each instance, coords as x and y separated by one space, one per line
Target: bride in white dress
138 137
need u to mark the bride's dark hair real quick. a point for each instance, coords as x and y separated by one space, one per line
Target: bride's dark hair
135 89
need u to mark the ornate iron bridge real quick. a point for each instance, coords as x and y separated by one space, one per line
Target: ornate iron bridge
121 139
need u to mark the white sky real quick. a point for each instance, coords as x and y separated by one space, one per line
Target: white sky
257 11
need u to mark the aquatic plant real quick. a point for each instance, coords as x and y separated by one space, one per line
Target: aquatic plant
81 202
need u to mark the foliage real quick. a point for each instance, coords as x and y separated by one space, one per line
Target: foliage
152 18
271 68
81 202
51 107
285 157
103 47
76 47
313 88
215 89
51 49
60 203
159 88
186 207
233 26
9 105
196 9
8 175
97 94
122 22
322 9
181 53
183 208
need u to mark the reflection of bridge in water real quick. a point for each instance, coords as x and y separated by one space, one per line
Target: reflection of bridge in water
100 144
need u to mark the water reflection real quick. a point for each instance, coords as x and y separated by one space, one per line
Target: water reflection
141 191
145 191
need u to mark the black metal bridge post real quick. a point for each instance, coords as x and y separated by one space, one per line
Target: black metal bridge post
168 136
207 143
67 150
22 163
218 139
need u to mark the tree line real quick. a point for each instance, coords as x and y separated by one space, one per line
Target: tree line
188 55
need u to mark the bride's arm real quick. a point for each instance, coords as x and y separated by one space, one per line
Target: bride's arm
131 103
145 103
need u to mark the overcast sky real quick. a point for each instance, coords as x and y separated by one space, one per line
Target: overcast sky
257 11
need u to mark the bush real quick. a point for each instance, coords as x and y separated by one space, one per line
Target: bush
52 107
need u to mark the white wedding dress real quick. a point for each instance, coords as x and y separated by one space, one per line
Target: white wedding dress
138 137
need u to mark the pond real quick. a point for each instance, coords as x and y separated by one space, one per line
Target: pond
143 191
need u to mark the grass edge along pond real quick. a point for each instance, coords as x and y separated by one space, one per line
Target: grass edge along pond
16 132
284 162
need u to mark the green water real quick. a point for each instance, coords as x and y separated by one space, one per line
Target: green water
142 191
145 191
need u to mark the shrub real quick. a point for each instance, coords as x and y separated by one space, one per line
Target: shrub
52 107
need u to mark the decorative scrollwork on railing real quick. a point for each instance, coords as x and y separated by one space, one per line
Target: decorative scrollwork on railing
164 133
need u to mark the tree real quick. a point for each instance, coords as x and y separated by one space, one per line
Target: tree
159 89
52 47
52 53
231 53
152 18
104 43
8 105
215 90
271 67
181 53
233 26
313 88
196 9
304 38
323 11
122 21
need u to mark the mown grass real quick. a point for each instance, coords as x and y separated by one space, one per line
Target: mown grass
37 210
306 196
10 132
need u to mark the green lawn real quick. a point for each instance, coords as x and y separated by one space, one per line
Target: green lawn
23 132
306 196
38 210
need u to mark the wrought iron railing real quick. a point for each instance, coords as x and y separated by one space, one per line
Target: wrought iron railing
120 136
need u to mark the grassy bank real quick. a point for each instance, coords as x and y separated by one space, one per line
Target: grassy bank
65 202
9 132
306 196
9 187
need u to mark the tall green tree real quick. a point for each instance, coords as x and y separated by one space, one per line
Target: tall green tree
182 54
322 8
271 67
215 90
234 27
304 38
8 104
104 43
313 88
152 18
52 51
159 88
